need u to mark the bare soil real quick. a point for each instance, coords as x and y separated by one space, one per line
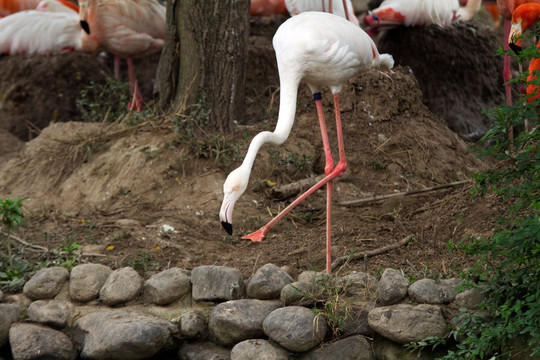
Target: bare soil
117 188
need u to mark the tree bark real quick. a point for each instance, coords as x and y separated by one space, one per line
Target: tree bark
204 55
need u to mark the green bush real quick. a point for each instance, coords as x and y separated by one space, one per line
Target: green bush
507 270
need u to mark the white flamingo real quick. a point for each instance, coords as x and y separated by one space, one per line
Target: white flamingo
51 28
323 50
420 12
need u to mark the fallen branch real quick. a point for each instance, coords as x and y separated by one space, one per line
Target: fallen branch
289 190
344 259
401 194
283 192
44 249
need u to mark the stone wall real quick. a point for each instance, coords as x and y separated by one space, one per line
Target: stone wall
211 312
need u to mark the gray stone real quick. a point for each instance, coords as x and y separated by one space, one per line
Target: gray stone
9 313
470 298
267 282
86 281
33 341
203 351
216 283
236 320
122 285
167 286
359 285
193 325
46 283
351 348
296 328
392 287
54 313
116 334
258 349
319 277
428 291
355 319
299 293
404 323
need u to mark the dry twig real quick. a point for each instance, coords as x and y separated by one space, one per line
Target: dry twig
344 259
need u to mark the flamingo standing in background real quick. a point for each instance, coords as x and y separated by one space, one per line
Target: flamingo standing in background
393 13
127 29
323 50
341 8
506 9
53 27
524 17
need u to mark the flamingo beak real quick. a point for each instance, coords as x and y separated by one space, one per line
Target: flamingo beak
514 38
85 26
225 214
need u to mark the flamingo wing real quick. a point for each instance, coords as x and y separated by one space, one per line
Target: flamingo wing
36 32
128 28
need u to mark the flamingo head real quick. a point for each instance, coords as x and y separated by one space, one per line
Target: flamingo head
83 9
514 38
524 16
233 188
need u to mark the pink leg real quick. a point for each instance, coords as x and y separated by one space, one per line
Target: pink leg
331 173
136 104
345 8
507 75
116 67
327 170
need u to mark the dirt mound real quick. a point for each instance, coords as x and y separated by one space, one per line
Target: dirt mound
37 90
457 70
113 188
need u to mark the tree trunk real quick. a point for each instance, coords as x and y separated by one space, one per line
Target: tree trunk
204 55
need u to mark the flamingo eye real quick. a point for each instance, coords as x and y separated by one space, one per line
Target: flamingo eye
235 188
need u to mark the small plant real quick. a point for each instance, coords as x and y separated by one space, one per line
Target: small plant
12 277
191 132
291 161
141 262
100 101
12 217
68 257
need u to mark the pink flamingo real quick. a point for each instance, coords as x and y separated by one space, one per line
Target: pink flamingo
323 50
523 18
393 13
53 27
127 29
506 9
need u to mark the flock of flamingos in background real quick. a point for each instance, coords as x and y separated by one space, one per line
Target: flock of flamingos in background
322 49
136 28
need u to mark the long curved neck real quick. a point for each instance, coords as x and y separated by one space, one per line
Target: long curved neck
287 110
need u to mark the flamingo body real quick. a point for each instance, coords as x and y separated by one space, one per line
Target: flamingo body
421 12
133 28
51 29
323 50
127 29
